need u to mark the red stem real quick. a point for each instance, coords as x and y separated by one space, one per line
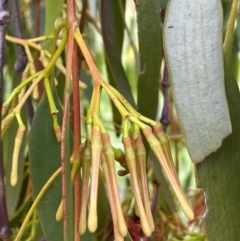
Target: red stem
76 134
70 43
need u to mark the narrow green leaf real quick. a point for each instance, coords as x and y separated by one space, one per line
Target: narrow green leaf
218 175
112 27
44 158
150 47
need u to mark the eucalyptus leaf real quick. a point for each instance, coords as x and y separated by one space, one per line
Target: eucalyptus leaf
44 158
193 32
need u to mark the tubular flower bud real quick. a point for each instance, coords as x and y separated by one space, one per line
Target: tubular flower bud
157 149
96 149
86 163
131 161
109 156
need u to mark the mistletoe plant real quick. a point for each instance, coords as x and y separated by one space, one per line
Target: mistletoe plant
96 153
66 176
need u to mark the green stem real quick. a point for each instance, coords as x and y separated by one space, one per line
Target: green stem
56 55
36 202
18 89
227 46
53 109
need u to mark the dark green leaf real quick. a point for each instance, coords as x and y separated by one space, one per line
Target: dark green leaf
150 47
218 174
112 27
44 155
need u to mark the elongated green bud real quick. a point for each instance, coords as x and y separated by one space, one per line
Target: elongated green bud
59 213
130 157
109 155
96 149
86 163
117 233
141 160
17 147
157 149
163 139
58 132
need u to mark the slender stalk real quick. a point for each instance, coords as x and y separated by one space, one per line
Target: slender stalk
76 135
86 163
36 202
28 42
64 141
227 46
87 56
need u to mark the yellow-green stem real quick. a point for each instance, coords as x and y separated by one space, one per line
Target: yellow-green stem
53 109
18 89
35 203
23 42
227 46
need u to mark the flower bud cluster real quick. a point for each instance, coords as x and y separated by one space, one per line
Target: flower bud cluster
99 156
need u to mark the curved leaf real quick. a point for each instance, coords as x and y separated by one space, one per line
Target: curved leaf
193 46
44 158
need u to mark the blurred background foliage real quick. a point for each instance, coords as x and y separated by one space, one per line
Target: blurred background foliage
114 40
